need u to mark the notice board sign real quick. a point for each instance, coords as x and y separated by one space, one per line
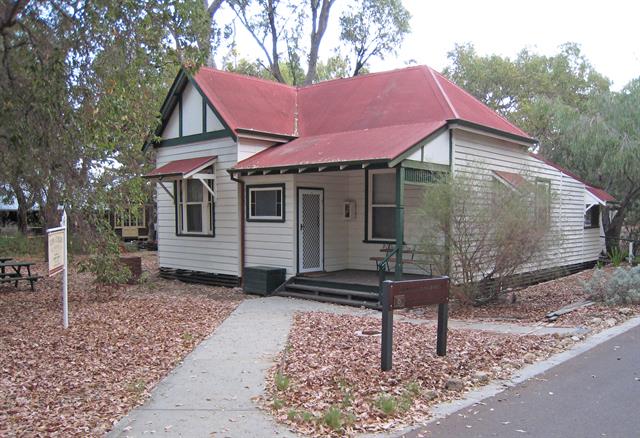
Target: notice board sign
55 253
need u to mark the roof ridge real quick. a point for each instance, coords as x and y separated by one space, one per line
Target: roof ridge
484 105
249 77
443 93
350 78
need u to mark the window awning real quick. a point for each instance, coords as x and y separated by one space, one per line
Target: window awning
182 169
513 180
190 168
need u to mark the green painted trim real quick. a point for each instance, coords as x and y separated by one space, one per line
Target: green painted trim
180 116
412 164
394 162
194 138
204 114
266 134
281 186
313 168
213 108
399 225
451 150
493 131
366 205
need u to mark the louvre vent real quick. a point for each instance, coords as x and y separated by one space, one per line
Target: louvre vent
422 176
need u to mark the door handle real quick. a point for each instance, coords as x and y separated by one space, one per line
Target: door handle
301 226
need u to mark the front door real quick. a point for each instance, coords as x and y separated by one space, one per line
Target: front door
310 230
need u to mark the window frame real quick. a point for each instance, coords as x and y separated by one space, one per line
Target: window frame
594 213
265 187
370 205
537 207
208 214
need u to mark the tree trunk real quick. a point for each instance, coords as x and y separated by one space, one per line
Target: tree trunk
613 227
319 26
24 205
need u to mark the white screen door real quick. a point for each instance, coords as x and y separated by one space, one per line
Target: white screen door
310 230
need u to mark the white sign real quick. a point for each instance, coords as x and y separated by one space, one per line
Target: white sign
55 253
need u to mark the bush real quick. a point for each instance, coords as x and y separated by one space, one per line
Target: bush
333 418
617 256
21 245
622 287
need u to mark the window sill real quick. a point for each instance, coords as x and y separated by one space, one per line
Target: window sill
195 235
265 220
379 241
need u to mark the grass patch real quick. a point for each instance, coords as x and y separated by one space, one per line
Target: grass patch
278 404
333 418
390 405
387 404
282 381
21 245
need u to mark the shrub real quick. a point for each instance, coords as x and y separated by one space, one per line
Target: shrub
388 404
21 245
622 287
281 381
617 256
333 418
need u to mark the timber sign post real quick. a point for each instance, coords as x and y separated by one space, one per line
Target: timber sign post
57 257
406 294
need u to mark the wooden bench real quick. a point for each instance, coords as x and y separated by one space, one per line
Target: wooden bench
409 253
8 278
15 275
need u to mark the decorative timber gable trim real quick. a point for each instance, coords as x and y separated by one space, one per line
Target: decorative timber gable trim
173 100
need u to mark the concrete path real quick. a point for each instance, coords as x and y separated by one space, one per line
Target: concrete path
210 393
595 393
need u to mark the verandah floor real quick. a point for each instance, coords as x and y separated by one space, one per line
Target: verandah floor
356 276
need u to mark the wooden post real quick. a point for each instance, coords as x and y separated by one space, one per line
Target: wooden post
387 328
399 225
443 321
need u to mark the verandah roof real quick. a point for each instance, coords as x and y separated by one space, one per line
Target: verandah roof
181 168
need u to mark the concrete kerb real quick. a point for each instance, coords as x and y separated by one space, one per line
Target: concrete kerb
471 398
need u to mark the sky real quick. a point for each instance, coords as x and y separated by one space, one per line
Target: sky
608 32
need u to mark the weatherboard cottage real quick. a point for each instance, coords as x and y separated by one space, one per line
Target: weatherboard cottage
323 180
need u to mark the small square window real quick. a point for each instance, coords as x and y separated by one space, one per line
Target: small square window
265 203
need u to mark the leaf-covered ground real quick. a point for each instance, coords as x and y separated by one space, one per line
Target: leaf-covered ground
77 382
534 302
330 376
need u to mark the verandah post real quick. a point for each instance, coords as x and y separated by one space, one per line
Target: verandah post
399 222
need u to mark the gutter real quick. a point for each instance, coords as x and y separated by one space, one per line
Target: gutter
242 225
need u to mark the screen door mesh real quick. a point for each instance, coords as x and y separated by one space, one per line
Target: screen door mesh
310 231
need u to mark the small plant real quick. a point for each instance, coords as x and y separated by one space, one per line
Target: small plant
278 404
413 389
292 415
306 416
347 393
282 381
333 418
137 387
599 264
622 287
388 404
187 337
616 256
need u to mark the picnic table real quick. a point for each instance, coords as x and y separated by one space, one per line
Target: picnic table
16 273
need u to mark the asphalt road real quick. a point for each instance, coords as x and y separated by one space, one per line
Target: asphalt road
595 394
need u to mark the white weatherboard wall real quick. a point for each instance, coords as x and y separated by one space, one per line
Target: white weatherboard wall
474 154
272 243
248 147
217 254
192 103
435 151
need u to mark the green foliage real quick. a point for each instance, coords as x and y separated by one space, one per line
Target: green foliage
620 288
483 230
282 381
278 404
617 256
388 404
104 261
373 28
347 393
21 245
334 418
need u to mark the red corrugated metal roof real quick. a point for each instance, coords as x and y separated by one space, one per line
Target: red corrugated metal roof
180 167
245 102
514 179
377 144
597 192
411 96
